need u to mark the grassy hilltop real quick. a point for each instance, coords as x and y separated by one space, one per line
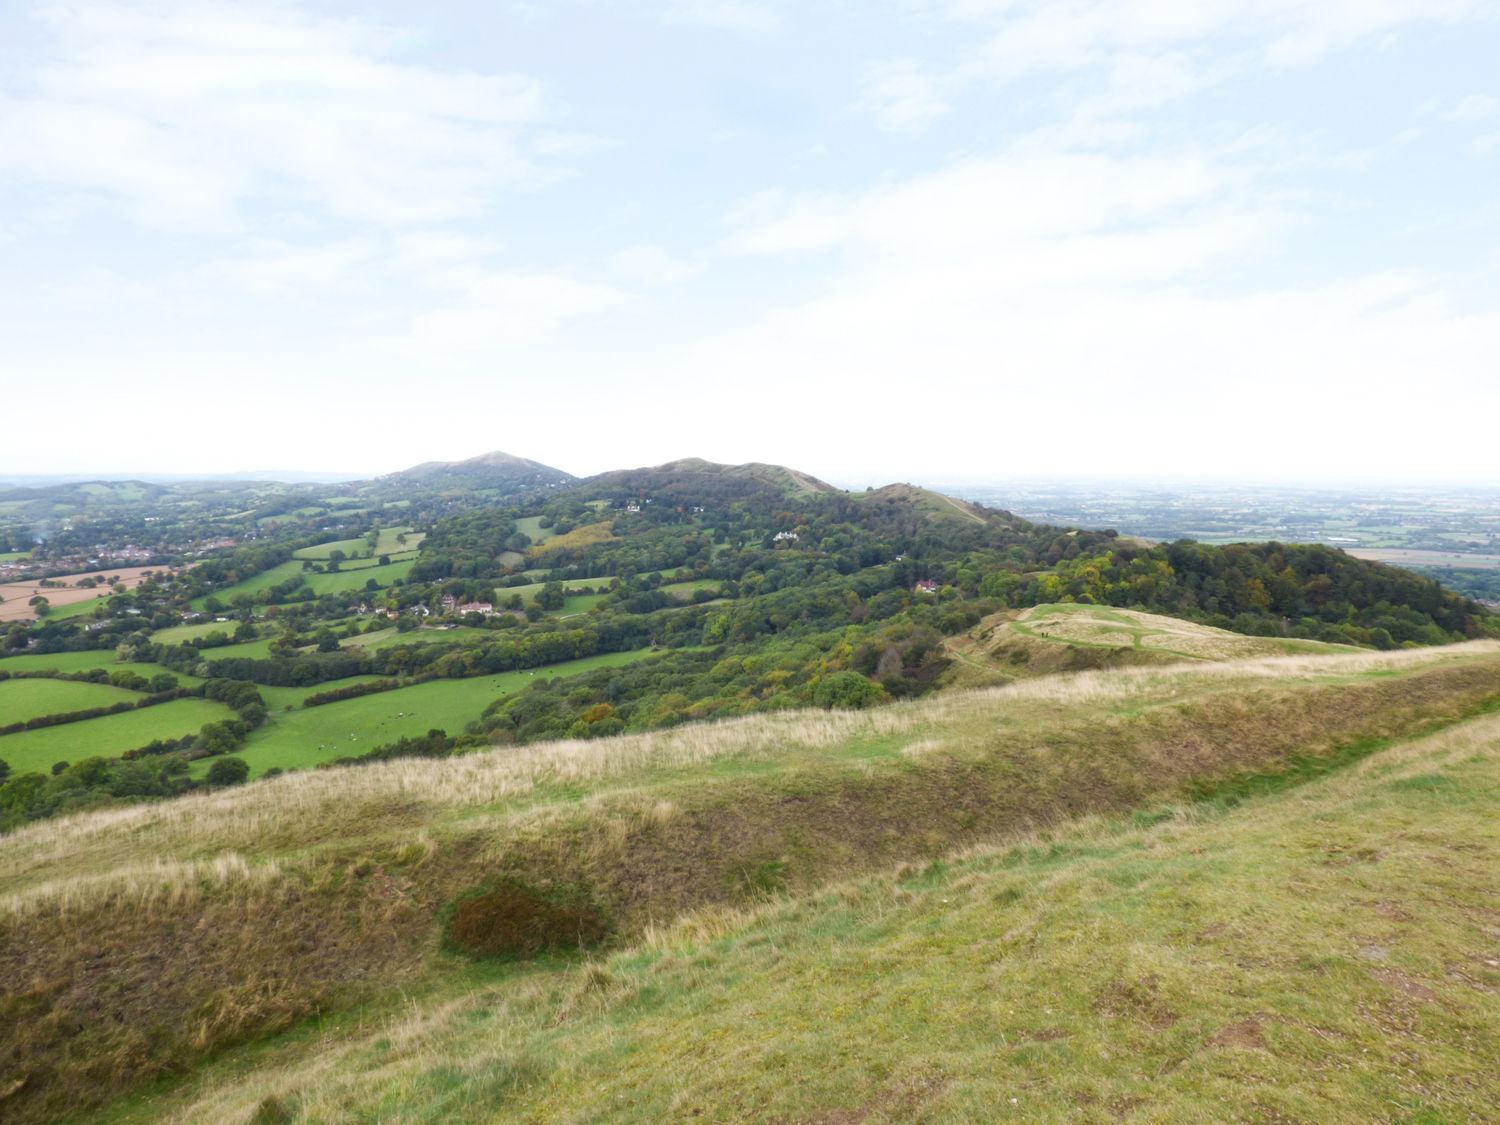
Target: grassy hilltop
1098 894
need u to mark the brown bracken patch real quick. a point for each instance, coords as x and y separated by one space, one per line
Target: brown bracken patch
1242 1033
509 919
1137 1000
894 1103
1395 978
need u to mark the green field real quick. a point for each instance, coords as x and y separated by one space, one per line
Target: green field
30 699
108 737
254 584
387 545
258 649
686 590
68 662
178 634
530 527
389 638
14 556
576 604
279 699
338 582
78 609
307 736
343 581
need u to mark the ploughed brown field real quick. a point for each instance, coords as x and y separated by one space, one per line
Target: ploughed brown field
17 595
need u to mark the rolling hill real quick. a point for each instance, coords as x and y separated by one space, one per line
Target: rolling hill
696 479
488 471
1061 637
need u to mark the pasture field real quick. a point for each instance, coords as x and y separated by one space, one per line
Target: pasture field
21 700
387 544
14 556
179 634
279 699
65 600
335 583
423 635
577 604
85 662
1446 559
343 581
254 584
258 649
530 527
306 736
686 590
107 737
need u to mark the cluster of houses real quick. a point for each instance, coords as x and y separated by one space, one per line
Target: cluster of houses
453 605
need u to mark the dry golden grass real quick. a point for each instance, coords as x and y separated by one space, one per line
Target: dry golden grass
299 808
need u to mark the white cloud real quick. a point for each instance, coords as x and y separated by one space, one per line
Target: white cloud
978 209
499 310
1474 108
1137 55
186 113
729 15
903 97
651 265
1059 308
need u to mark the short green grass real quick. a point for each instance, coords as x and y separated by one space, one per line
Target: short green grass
306 736
107 737
343 581
531 527
70 662
388 544
30 699
179 634
335 583
258 649
252 585
84 608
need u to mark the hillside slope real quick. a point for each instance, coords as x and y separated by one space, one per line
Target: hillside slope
140 942
1066 637
495 470
1329 954
696 478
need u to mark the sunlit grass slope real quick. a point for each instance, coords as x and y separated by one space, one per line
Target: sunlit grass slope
140 943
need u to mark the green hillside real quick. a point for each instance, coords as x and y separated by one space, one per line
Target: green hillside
711 863
1319 954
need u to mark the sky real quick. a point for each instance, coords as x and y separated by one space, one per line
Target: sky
885 239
